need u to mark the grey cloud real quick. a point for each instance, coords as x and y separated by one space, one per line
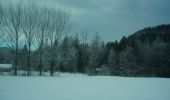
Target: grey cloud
112 18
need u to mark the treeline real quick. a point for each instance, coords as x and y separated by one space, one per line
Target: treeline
116 58
41 29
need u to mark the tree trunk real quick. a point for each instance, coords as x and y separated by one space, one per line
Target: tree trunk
28 59
15 68
52 61
16 56
40 65
52 68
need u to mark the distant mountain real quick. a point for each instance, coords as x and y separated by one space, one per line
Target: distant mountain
152 33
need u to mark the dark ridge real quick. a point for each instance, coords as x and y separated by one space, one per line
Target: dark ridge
152 33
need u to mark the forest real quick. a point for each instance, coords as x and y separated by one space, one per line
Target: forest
32 39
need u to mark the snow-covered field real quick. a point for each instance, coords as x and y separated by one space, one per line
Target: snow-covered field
82 87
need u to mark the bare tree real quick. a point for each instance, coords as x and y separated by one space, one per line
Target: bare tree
28 26
13 26
83 52
42 27
59 20
1 23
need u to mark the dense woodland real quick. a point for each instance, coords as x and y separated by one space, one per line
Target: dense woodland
35 43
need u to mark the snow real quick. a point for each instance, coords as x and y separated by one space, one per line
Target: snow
83 87
5 66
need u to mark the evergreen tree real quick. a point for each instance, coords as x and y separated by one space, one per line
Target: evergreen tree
122 44
69 54
127 62
95 51
112 58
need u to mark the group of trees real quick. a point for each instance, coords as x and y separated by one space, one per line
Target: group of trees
34 25
139 58
40 29
124 58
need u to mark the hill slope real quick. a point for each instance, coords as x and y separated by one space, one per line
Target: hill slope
152 33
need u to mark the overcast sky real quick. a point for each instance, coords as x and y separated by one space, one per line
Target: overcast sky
112 19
